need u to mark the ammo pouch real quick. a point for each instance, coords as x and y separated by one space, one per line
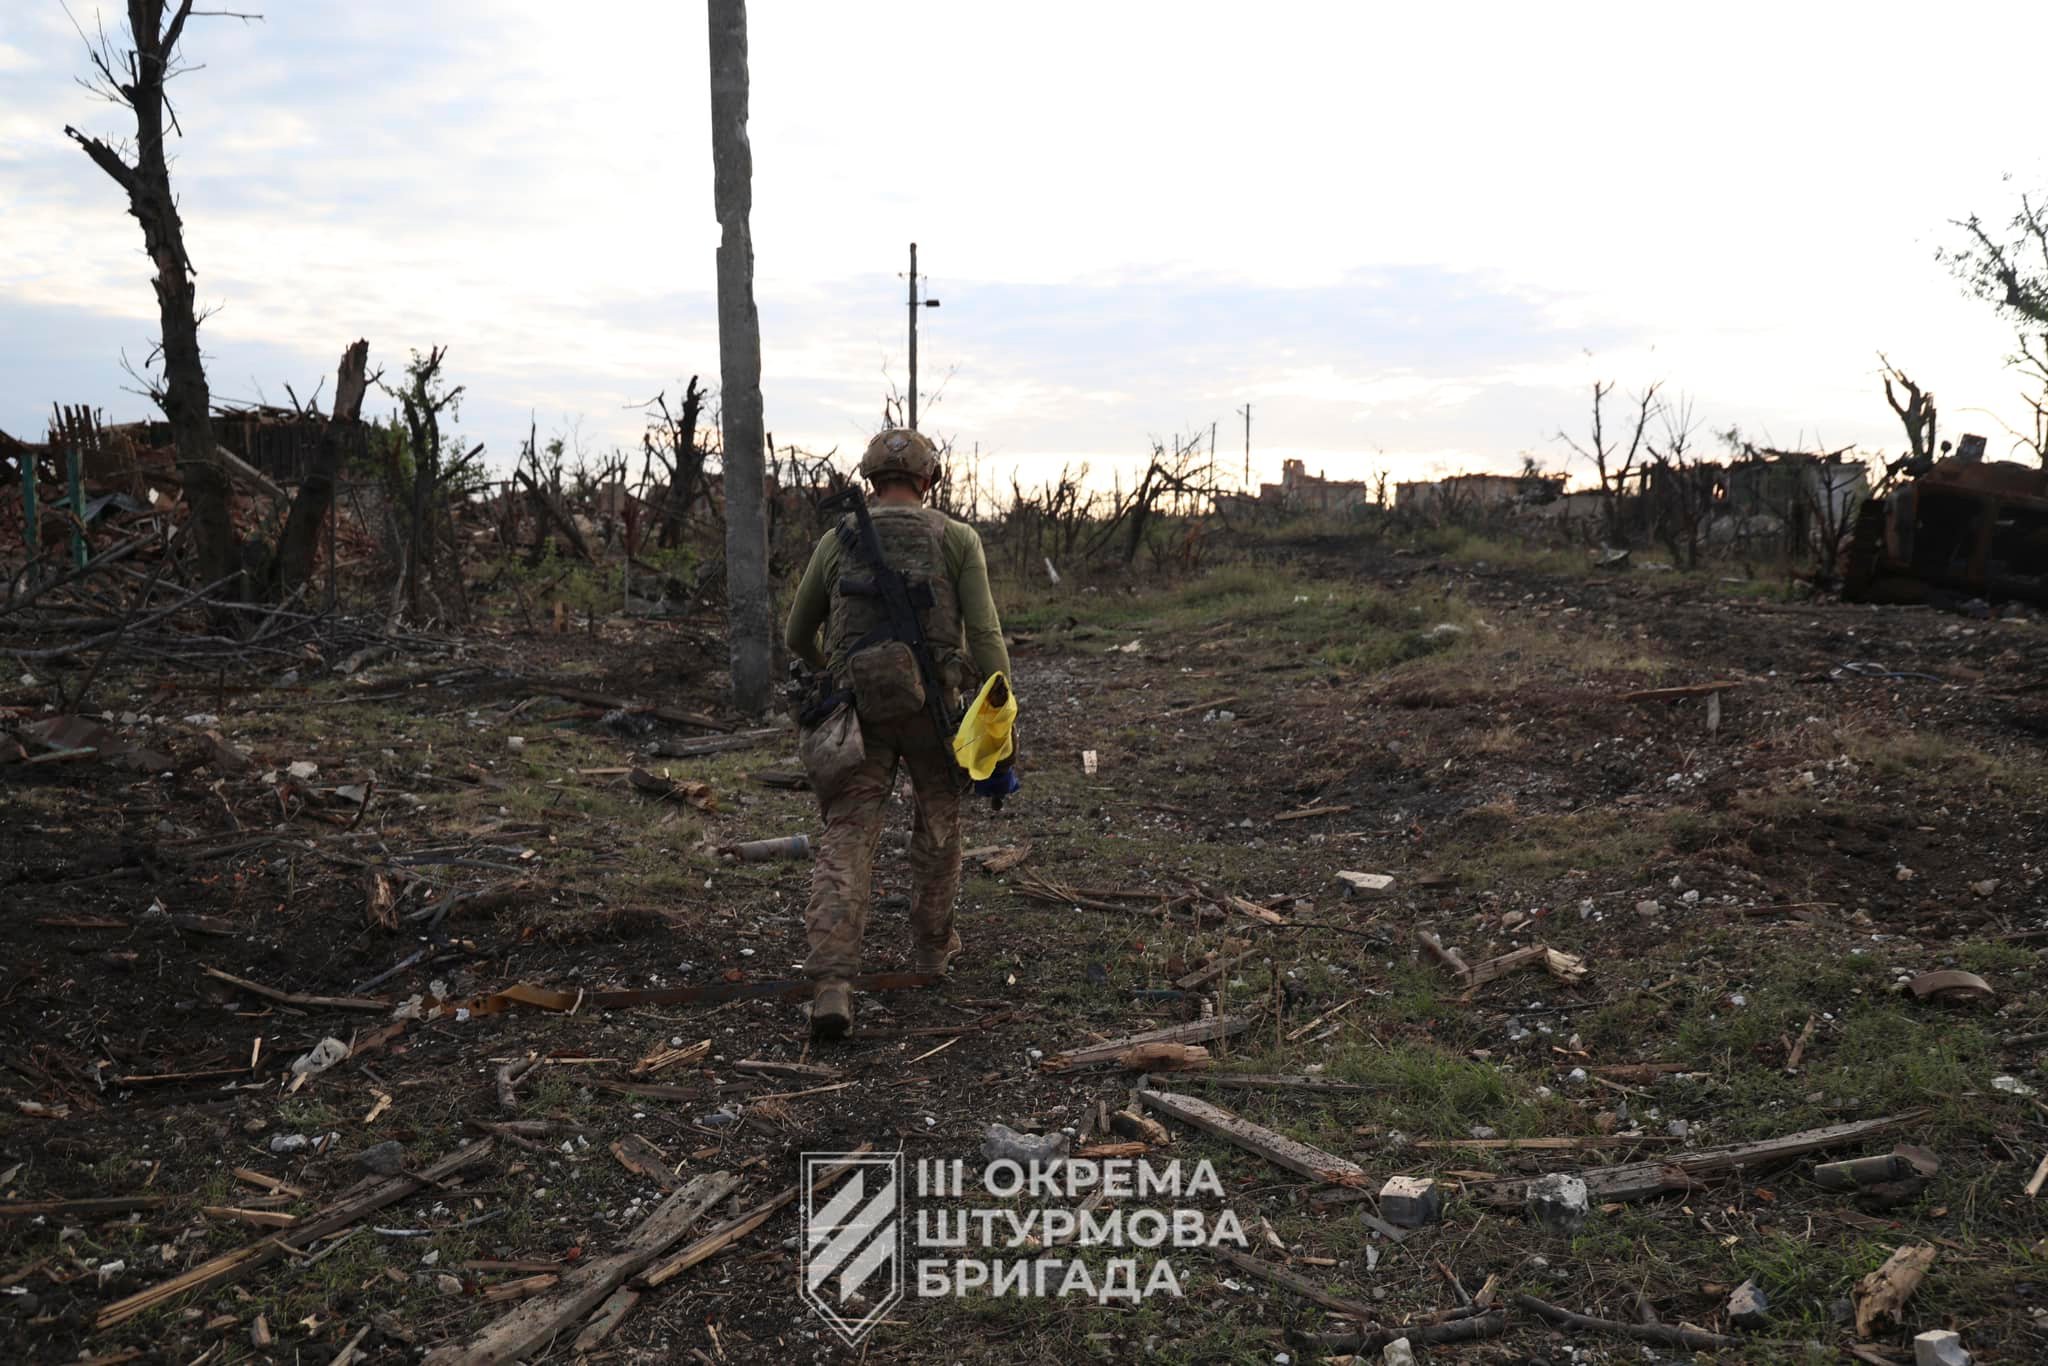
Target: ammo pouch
887 684
831 750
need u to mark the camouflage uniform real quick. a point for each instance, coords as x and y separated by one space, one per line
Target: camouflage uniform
945 558
843 873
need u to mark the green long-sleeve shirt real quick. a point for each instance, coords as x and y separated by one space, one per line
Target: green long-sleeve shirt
966 566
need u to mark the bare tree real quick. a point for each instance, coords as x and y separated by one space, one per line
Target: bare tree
671 441
2010 272
136 80
1917 415
1681 485
1613 464
749 615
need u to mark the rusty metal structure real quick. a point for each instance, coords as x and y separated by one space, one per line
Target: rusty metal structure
1963 526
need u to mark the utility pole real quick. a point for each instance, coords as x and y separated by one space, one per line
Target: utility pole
915 304
1246 413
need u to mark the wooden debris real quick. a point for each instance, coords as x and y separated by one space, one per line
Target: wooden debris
1164 1057
521 1288
2038 1180
669 1057
267 1218
1565 967
233 1265
275 1185
85 1208
1952 985
1449 958
1142 1128
642 1158
1204 975
1798 1052
1687 690
1133 1148
259 1333
1511 1145
380 901
803 1071
539 1320
1278 1149
1004 860
1362 1345
730 1232
1640 1180
1883 1293
1328 1014
292 998
1297 1285
1259 1081
1692 1339
1641 1073
1264 915
1306 812
688 791
350 1352
607 1319
1113 1050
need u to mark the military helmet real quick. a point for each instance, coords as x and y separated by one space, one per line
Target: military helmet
900 451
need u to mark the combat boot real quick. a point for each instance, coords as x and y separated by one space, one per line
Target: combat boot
831 1009
936 959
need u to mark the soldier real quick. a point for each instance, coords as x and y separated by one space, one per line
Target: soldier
853 752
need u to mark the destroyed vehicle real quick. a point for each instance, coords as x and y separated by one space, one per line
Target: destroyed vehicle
1964 526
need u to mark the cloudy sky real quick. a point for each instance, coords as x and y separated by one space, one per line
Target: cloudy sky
1409 236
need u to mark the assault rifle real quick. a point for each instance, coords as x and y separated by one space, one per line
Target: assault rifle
900 601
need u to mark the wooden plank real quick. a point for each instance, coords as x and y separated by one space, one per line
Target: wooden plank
242 1260
1512 961
804 1071
1640 1180
88 1207
607 1319
535 1322
1195 1031
1278 1149
642 1158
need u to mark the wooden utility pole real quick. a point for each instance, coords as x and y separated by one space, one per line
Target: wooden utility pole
915 303
749 618
1246 413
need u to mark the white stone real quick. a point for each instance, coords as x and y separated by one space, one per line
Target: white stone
1939 1348
1559 1202
1410 1201
1397 1353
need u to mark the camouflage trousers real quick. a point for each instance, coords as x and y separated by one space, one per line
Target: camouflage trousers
842 874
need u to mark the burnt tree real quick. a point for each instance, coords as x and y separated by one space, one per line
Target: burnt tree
299 542
136 80
750 618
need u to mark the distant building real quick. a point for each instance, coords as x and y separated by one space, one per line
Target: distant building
1461 493
1300 491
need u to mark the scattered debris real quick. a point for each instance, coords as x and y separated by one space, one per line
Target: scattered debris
764 851
1939 1347
1904 1161
382 1159
1953 986
1366 884
1411 1201
1749 1307
233 1265
1114 1050
690 792
1278 1149
1692 1339
1001 1143
1881 1294
539 1320
1559 1202
320 1057
1164 1057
